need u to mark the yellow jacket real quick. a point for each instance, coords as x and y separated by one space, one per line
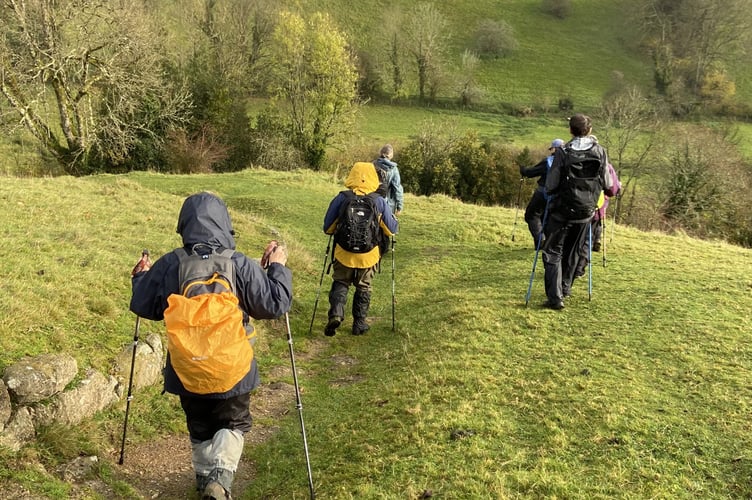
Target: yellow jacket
361 180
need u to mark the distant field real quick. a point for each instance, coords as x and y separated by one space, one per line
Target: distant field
395 123
572 57
387 123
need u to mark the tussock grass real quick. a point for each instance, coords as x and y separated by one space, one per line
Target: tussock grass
641 392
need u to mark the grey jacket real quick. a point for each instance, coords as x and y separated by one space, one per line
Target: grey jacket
395 195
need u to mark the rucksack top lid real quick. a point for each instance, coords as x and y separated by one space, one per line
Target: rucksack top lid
214 270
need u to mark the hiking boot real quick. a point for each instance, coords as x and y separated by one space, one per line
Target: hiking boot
215 491
332 325
360 327
557 305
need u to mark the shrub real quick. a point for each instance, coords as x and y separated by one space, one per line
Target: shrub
495 38
566 103
557 8
505 173
270 145
475 172
701 177
197 153
473 164
424 159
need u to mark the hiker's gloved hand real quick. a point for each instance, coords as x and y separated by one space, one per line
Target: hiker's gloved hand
274 253
522 170
143 264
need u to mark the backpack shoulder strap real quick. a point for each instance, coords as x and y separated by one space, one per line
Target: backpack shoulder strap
226 252
374 196
349 196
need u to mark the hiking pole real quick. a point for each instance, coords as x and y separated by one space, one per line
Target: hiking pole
535 260
130 388
602 222
517 210
299 405
321 280
394 298
616 211
590 260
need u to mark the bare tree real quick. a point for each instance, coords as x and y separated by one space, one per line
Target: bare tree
426 39
85 77
689 38
629 131
469 89
238 34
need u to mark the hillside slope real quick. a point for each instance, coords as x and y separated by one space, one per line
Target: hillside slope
642 391
556 58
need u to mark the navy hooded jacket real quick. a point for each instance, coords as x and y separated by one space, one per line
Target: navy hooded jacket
204 219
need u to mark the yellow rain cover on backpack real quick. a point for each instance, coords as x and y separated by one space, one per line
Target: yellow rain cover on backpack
209 347
601 200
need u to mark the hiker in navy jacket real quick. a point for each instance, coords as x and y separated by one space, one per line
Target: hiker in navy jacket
537 205
350 268
564 235
216 422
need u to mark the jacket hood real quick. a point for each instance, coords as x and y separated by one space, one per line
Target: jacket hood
583 143
363 178
386 163
204 219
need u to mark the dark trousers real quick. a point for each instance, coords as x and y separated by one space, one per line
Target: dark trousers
561 254
597 229
207 416
343 277
534 214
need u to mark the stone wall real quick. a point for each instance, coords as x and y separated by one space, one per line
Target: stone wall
39 391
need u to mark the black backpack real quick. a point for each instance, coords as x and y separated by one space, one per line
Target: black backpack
357 228
383 188
580 184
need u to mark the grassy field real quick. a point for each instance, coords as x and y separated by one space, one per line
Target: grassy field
556 58
641 392
575 57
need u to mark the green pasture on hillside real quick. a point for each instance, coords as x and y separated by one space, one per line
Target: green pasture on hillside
573 57
641 392
580 57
